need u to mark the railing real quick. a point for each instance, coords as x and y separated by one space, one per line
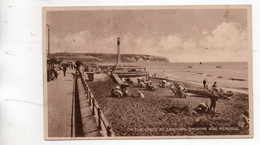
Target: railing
96 110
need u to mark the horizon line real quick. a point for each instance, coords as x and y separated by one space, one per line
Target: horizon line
144 54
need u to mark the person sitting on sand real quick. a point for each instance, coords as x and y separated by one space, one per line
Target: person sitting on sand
148 78
243 122
129 81
164 82
142 85
160 83
183 91
125 91
150 86
180 91
173 89
202 108
176 90
168 84
116 92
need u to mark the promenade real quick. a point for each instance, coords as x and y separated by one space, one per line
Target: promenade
69 115
60 106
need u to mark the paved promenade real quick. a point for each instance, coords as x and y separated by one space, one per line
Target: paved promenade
60 96
65 110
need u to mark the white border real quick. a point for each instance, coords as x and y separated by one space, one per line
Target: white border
21 71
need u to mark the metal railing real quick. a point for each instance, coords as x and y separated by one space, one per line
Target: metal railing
96 110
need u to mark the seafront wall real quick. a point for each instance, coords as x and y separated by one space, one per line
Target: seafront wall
94 122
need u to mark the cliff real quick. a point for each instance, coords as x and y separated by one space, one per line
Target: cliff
99 57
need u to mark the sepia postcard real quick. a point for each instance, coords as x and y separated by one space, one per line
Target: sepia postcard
147 72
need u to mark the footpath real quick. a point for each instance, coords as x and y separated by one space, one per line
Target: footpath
60 105
69 115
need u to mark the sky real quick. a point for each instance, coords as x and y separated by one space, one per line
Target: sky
181 35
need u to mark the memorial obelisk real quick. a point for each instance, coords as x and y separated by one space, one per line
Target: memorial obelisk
118 64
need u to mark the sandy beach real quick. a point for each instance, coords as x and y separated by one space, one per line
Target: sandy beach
163 114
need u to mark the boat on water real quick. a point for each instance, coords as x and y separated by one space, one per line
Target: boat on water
218 66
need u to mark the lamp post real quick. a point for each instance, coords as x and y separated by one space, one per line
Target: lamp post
48 39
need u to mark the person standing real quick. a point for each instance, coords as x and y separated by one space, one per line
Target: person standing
64 70
213 101
55 72
138 82
214 87
204 83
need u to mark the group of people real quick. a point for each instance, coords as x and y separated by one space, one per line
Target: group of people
178 90
120 91
243 120
54 71
205 108
53 74
128 81
164 83
145 83
214 86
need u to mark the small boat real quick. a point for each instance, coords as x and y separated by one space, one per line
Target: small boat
218 66
207 93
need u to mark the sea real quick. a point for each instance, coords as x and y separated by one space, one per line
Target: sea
228 75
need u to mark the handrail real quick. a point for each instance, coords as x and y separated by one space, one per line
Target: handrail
96 108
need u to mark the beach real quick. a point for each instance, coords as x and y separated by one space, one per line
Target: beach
162 114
